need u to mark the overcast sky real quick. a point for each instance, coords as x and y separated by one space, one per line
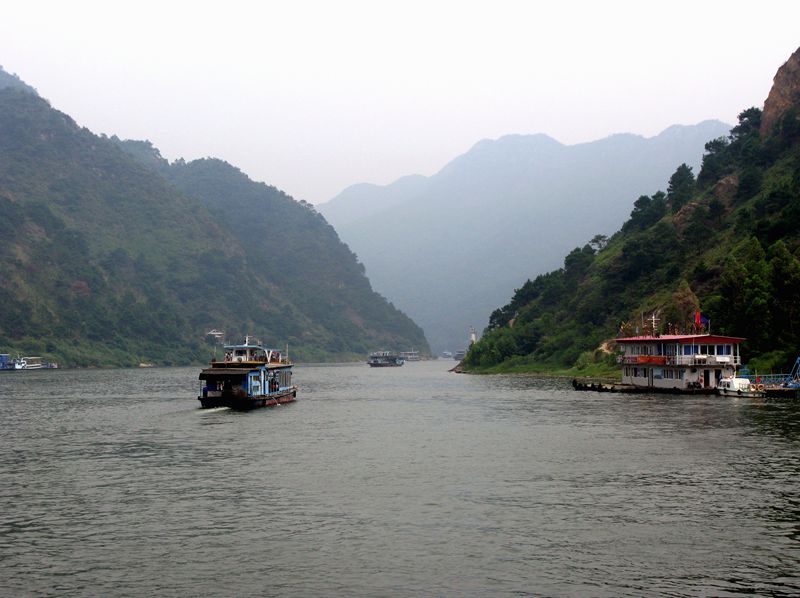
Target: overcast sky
314 96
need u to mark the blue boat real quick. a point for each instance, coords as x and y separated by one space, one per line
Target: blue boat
7 364
250 375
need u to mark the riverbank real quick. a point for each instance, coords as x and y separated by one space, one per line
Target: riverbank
544 369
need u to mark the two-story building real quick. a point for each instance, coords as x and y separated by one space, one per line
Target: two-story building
682 362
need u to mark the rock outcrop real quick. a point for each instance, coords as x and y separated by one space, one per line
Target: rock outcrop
784 94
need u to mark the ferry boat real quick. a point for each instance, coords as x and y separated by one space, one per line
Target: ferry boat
739 387
250 375
679 362
384 359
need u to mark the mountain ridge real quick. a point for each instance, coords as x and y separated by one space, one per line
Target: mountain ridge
478 219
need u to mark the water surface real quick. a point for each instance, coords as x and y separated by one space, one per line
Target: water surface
394 481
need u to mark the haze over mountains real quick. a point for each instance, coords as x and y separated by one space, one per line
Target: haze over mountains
449 248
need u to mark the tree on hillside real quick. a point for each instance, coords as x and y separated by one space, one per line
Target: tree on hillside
749 123
681 186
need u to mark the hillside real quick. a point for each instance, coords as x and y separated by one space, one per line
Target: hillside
449 248
726 243
106 262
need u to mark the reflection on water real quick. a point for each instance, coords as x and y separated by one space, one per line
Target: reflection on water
393 481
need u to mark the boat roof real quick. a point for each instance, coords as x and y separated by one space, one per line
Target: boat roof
250 346
682 339
227 371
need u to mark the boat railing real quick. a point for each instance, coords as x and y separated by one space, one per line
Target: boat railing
681 359
704 360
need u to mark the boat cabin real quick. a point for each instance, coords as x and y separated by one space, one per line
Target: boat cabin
251 353
679 362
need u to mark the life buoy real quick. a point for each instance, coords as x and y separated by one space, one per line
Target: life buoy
759 387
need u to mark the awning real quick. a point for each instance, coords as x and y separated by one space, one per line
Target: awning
222 372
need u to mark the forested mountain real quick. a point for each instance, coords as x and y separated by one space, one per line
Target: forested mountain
449 248
106 261
726 243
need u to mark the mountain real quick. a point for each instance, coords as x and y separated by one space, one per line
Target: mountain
446 249
110 260
8 80
726 244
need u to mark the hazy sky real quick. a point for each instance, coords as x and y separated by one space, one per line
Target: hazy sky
314 96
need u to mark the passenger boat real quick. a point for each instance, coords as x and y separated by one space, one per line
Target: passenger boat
250 375
383 359
410 355
732 386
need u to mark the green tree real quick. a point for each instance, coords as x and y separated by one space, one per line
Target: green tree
681 187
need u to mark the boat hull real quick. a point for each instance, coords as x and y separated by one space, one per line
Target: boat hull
244 403
752 394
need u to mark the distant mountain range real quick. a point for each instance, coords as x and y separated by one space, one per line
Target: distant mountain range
113 256
447 249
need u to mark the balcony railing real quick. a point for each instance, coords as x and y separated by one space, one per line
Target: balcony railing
681 360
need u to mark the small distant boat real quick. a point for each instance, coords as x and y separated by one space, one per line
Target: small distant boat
7 364
460 354
383 359
730 386
30 363
410 355
250 375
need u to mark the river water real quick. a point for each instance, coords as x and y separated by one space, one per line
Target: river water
404 481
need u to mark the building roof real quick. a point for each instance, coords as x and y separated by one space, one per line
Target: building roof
683 339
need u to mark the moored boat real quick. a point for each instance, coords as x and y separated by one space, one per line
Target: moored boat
250 375
383 359
7 364
731 386
30 363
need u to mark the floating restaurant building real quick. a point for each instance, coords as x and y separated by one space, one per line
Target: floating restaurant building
691 362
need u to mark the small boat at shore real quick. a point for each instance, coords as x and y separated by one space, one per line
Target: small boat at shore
250 375
7 364
730 386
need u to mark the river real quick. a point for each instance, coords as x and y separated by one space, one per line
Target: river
406 481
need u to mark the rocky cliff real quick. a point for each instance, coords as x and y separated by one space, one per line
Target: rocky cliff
785 93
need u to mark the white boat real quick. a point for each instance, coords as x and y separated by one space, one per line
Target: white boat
28 363
731 386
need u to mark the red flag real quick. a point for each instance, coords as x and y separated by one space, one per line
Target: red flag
697 321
